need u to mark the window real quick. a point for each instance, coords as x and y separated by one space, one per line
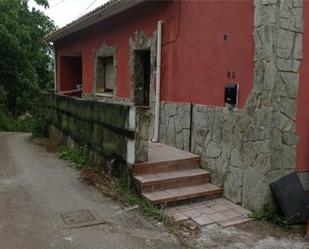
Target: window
105 75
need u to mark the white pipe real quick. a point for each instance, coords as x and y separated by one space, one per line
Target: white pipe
158 82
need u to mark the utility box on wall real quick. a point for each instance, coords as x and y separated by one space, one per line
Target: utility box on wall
230 95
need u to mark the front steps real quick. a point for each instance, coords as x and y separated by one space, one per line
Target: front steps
172 175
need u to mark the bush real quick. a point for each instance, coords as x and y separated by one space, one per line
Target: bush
22 124
6 122
38 126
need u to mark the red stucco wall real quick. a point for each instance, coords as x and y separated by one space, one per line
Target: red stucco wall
302 124
196 65
195 56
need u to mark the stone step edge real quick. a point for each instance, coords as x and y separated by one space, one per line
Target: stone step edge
174 198
138 168
171 178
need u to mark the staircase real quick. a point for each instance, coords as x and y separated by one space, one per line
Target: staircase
172 175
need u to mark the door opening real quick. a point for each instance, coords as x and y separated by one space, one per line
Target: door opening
141 77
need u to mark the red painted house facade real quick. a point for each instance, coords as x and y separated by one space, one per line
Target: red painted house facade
110 55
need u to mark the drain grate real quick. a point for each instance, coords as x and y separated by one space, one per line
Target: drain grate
77 217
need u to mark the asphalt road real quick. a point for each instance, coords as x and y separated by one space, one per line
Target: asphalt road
37 191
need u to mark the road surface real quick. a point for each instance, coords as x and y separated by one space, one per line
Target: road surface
41 199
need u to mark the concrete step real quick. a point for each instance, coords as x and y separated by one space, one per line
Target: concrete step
166 166
172 179
183 193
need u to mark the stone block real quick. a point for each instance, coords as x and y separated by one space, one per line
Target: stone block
254 133
171 109
264 39
179 141
289 138
297 20
178 124
162 134
298 47
285 9
186 120
217 127
288 157
227 135
222 165
236 160
250 152
288 65
217 179
256 190
200 134
276 141
242 124
288 107
262 163
269 2
286 123
233 185
226 150
209 164
212 150
170 132
285 43
186 139
297 3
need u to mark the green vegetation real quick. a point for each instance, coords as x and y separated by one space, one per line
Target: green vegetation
7 123
79 156
121 189
124 188
38 125
26 65
268 213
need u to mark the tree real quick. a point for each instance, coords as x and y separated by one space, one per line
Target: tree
25 58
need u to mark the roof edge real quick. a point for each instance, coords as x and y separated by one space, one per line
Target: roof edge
101 13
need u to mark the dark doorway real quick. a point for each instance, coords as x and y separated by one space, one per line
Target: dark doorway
141 77
71 75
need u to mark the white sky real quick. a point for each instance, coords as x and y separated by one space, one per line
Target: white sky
65 11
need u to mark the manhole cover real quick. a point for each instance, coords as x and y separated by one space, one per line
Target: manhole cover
77 217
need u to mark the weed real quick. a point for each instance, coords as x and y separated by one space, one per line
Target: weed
79 156
124 187
270 214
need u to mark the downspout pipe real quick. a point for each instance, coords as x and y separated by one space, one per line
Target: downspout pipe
158 82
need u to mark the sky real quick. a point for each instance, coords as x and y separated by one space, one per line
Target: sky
66 11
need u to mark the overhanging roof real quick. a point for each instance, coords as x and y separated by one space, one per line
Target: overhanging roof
111 8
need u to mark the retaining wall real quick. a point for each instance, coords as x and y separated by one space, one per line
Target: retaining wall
115 130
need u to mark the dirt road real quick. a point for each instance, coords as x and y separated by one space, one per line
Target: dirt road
41 199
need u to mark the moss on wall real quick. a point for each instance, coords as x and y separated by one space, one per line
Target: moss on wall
102 126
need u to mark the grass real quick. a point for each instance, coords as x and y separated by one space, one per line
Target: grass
269 214
79 156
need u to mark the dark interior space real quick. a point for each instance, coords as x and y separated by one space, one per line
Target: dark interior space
142 77
71 75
